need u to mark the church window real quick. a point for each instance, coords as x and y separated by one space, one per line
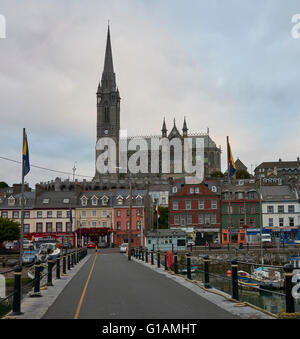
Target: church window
106 114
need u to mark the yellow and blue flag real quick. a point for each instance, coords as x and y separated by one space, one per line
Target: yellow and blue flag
231 164
25 155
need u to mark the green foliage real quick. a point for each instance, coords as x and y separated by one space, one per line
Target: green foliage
9 230
3 184
217 174
242 174
164 218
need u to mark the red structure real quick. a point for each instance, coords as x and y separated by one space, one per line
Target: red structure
198 207
121 225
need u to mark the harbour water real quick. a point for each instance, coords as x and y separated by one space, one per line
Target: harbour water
272 301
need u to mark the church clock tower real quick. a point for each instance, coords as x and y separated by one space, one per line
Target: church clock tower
108 101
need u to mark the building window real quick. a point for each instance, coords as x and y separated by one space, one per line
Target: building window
39 227
281 222
207 219
240 195
188 204
84 202
94 224
26 228
182 220
39 214
281 209
251 195
118 213
291 209
197 190
174 189
252 209
229 209
104 214
213 219
128 225
59 214
189 219
94 214
49 227
94 202
192 190
252 221
200 219
128 213
68 227
118 225
137 224
26 214
104 224
163 200
270 209
201 204
291 222
4 214
84 224
49 214
242 222
242 210
176 219
175 205
271 222
83 214
104 201
214 204
15 215
59 227
120 201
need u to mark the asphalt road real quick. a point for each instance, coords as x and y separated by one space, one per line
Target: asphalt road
110 287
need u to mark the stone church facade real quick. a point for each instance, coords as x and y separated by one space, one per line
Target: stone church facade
108 125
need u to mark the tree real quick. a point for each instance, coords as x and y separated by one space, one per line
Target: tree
242 174
164 218
9 230
3 184
217 174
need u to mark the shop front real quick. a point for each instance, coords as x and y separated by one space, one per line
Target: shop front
286 235
237 236
102 236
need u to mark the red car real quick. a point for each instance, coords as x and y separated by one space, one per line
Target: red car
91 245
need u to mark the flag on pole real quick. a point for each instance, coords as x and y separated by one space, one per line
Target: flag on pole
25 155
157 210
231 164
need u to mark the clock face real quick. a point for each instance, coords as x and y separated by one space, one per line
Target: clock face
106 131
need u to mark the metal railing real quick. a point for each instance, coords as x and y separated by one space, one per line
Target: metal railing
54 270
159 258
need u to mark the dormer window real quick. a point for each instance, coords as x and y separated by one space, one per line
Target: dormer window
84 201
94 201
66 201
11 201
104 200
120 200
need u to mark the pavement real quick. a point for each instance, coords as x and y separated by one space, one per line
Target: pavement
108 286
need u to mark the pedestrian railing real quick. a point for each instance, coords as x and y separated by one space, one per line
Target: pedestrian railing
56 268
184 264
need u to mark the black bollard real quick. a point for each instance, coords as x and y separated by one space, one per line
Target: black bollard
206 272
64 264
69 261
142 254
188 266
234 276
146 255
37 280
175 263
58 267
289 300
152 257
158 258
16 310
50 266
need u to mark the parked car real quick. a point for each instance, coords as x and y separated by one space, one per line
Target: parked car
123 248
91 244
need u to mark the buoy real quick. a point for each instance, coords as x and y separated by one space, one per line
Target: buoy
228 273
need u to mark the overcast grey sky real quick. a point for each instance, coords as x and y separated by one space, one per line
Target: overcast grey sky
231 65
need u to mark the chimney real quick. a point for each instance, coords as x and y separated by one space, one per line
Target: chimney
280 160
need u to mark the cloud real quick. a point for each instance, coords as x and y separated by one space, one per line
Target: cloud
232 67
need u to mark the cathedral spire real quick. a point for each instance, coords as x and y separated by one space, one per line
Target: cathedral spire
184 128
108 81
164 129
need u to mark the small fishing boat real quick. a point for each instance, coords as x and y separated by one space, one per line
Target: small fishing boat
247 281
269 278
193 270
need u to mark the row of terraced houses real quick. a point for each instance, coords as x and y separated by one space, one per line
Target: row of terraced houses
211 211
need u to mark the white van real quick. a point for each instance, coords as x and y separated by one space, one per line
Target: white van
266 238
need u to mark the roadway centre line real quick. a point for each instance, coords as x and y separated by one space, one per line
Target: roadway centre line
85 288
